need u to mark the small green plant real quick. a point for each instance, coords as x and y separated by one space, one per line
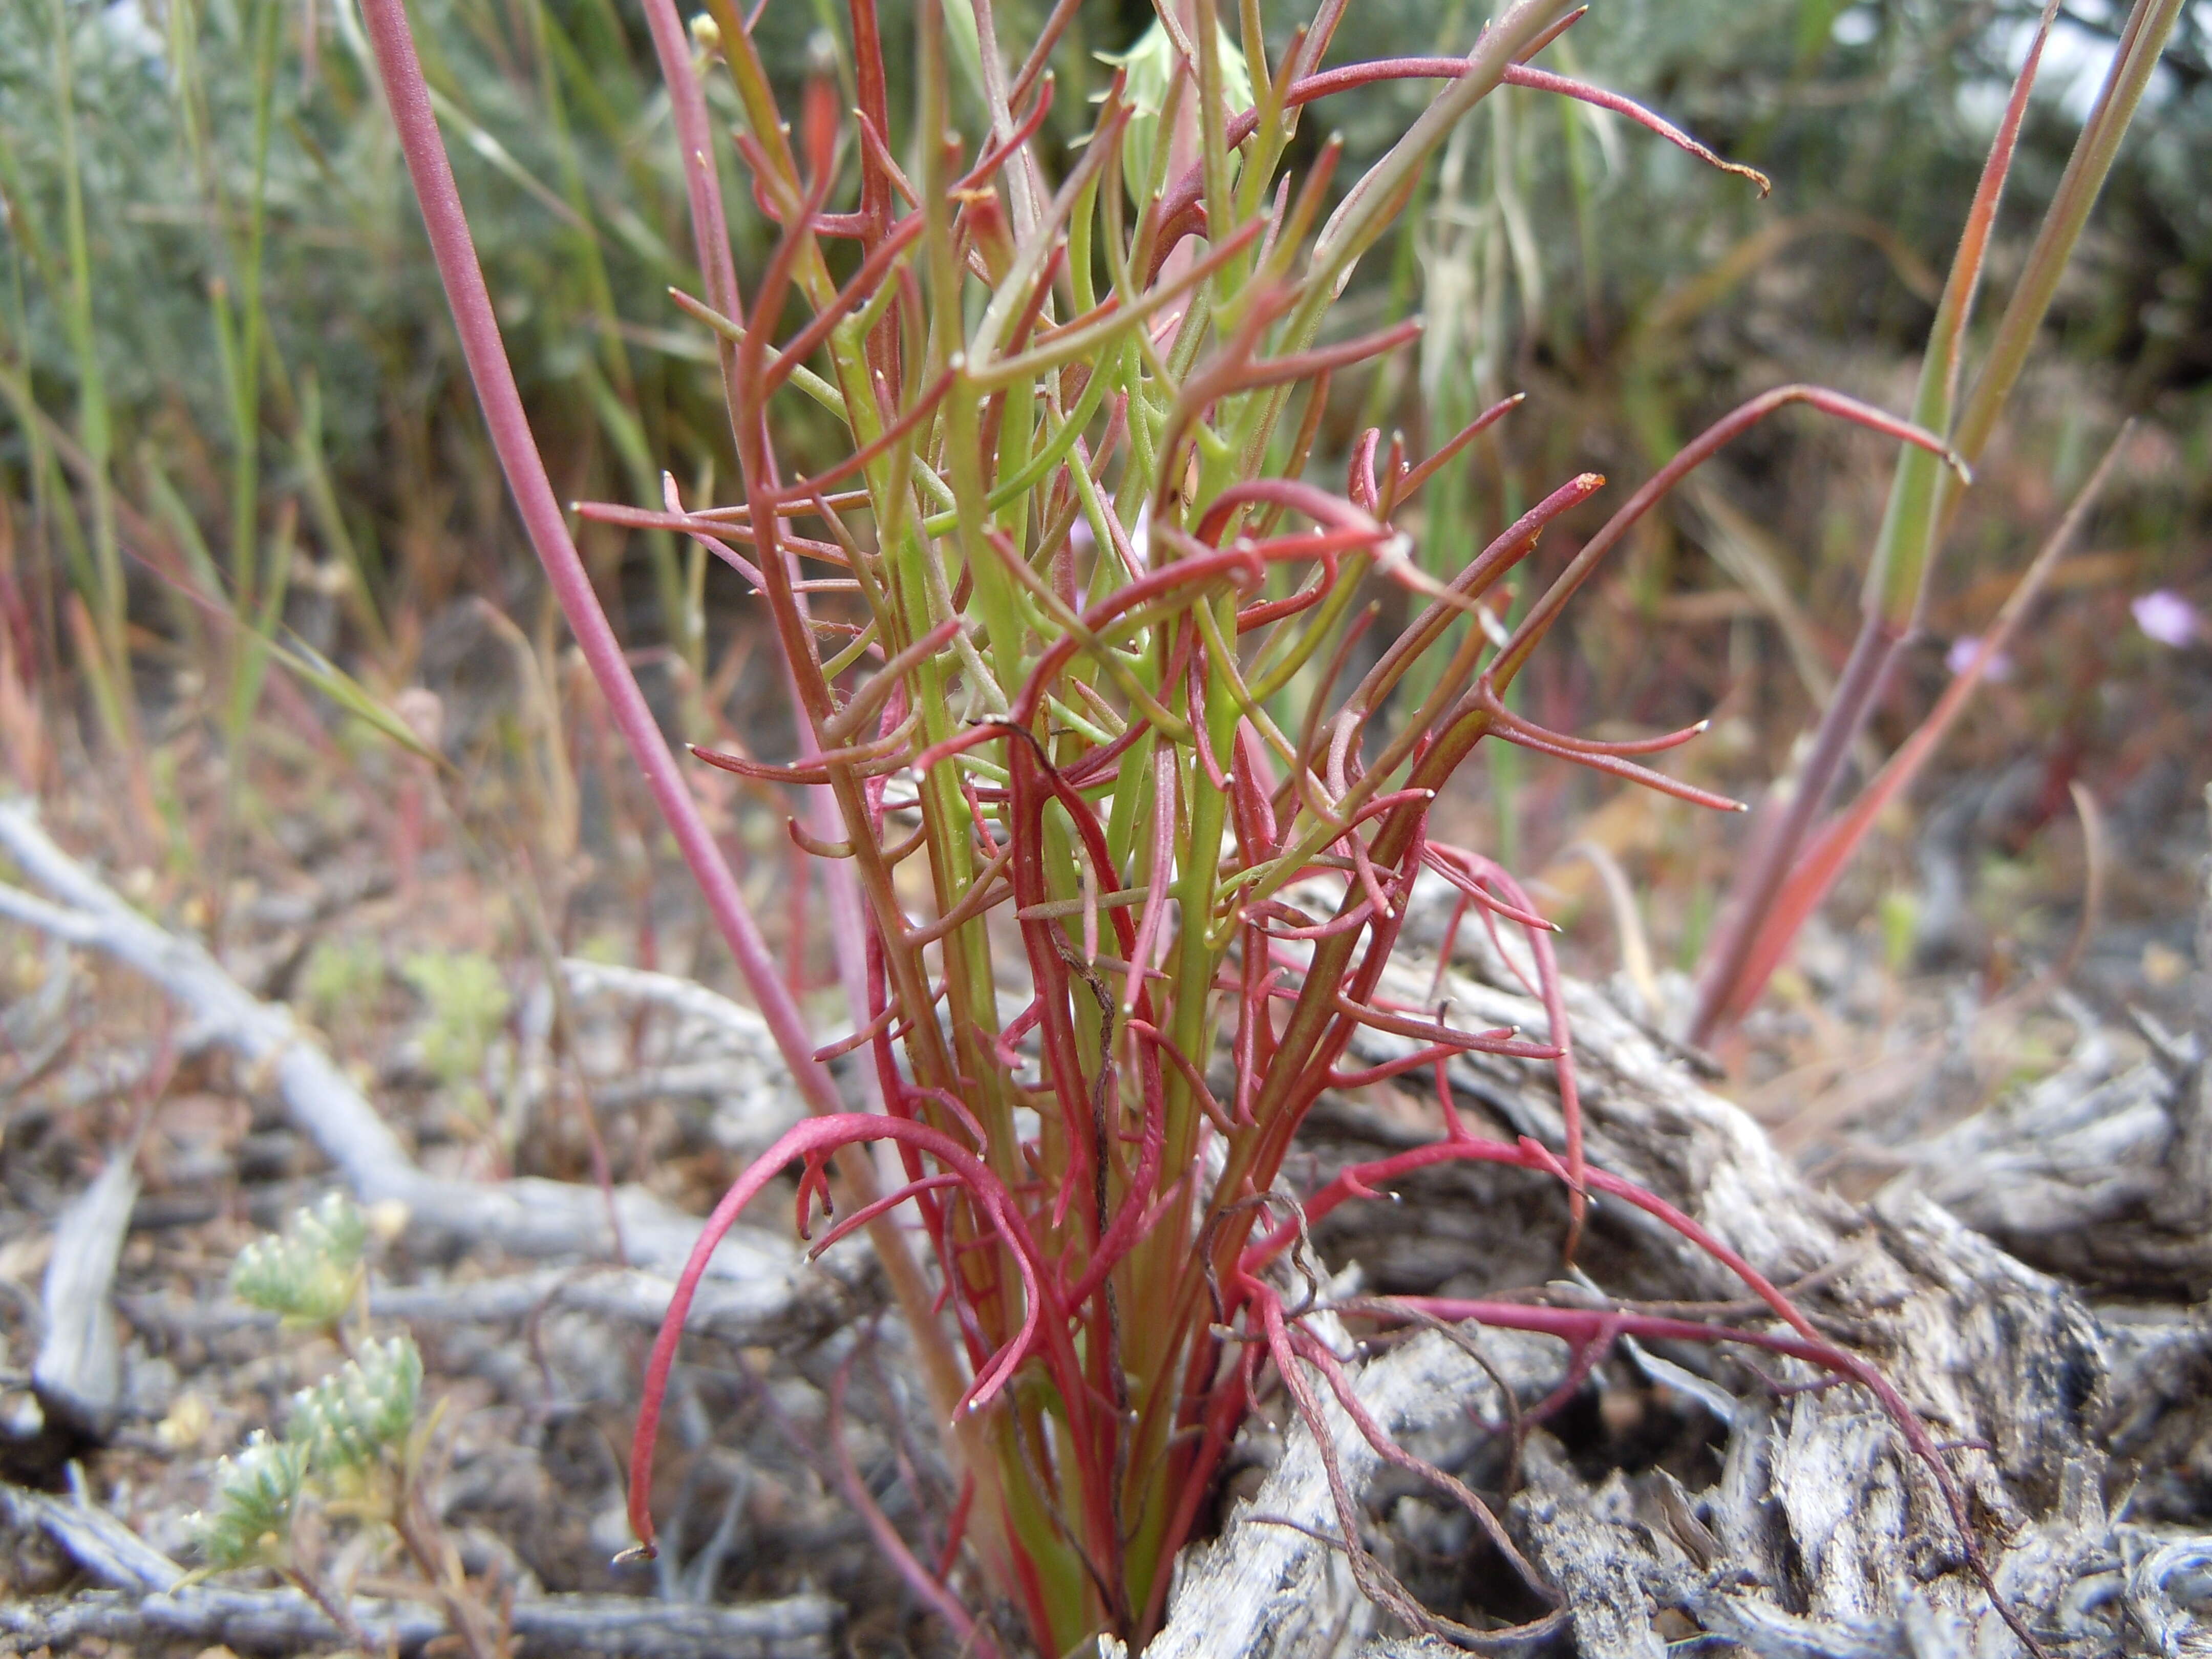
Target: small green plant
342 980
255 1495
361 1412
1899 916
467 1004
356 1442
311 1273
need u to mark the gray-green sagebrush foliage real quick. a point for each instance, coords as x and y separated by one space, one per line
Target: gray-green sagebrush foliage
556 114
174 125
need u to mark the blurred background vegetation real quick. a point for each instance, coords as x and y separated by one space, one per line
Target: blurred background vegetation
235 412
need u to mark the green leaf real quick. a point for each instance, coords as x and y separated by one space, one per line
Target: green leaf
311 1274
256 1491
364 1408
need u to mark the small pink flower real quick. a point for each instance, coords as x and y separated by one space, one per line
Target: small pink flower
2167 617
1960 657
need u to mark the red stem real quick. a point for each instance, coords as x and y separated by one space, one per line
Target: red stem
1043 1316
454 249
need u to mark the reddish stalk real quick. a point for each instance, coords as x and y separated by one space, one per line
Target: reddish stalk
1745 945
454 250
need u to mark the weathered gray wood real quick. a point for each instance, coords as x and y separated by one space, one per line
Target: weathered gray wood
737 1311
1271 1590
727 1055
286 1622
2103 1170
148 1599
78 1372
1824 1537
757 1268
2098 1171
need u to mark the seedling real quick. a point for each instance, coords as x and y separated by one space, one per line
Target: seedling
343 979
311 1273
465 1005
355 1444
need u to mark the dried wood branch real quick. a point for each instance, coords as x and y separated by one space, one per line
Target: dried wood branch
758 1269
2103 1170
149 1600
286 1622
732 1311
1823 1538
78 1373
1272 1585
